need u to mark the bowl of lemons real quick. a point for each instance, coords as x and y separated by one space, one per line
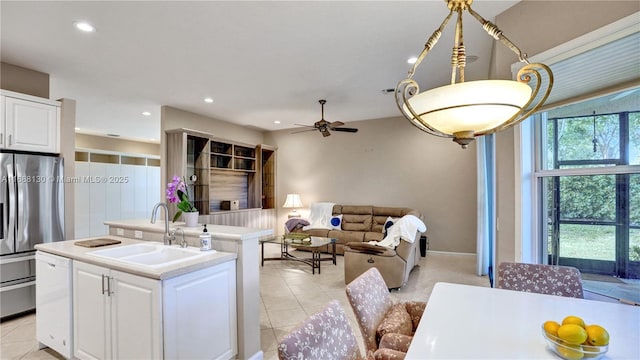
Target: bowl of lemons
572 339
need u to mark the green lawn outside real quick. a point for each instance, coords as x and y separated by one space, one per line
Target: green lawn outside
594 242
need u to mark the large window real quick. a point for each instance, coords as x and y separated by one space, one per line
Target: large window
589 181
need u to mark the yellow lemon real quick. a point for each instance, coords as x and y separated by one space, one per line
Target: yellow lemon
597 335
573 320
571 352
551 327
572 334
591 351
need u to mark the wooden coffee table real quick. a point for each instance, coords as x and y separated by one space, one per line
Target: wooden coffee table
313 243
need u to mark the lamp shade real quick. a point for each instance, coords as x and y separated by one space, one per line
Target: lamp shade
475 106
292 201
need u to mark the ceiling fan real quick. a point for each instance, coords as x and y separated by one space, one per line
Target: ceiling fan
324 126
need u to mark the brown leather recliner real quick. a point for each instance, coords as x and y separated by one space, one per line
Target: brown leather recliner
394 265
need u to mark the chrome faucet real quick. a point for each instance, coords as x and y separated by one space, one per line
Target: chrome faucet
183 242
169 236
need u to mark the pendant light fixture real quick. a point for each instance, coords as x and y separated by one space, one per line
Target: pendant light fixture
464 110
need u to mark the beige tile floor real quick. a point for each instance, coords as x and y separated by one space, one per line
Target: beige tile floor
289 293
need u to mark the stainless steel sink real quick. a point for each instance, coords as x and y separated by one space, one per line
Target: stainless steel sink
149 255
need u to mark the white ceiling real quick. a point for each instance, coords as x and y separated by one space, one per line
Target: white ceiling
260 61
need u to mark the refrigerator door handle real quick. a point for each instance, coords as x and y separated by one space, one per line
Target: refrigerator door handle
17 286
20 177
16 259
12 197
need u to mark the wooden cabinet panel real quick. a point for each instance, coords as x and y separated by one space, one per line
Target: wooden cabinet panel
225 170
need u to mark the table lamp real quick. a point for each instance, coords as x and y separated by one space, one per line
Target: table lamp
293 202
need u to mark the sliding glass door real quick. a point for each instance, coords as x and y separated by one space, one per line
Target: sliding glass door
590 185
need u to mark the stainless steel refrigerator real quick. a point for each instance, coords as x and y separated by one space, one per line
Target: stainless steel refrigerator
31 212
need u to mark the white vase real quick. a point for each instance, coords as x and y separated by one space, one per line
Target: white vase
190 218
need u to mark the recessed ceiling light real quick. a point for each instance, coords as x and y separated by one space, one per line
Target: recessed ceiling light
77 128
146 113
84 26
412 60
276 122
208 100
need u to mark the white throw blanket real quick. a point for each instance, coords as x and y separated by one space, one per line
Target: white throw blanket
405 228
320 216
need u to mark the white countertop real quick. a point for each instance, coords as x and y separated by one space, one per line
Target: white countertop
471 322
69 250
217 231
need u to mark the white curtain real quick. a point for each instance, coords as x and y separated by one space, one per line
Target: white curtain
485 250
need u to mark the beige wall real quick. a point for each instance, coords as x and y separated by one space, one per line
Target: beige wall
387 163
85 141
173 118
536 26
67 149
25 81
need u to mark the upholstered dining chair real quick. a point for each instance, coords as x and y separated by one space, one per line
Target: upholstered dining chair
324 335
384 325
543 279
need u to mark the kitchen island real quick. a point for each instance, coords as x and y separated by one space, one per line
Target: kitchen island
135 299
242 241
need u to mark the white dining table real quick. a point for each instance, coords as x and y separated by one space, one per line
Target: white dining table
472 322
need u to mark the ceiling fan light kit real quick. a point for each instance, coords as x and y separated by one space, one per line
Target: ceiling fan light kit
465 110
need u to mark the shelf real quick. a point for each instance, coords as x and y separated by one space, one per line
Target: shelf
221 148
244 152
244 164
221 162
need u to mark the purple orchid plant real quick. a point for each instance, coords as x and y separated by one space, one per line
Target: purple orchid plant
177 194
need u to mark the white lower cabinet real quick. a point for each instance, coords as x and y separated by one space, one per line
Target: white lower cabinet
118 315
200 314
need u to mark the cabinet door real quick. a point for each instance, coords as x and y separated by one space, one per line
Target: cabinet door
31 126
200 314
136 321
91 313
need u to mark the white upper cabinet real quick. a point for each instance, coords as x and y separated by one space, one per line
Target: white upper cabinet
29 123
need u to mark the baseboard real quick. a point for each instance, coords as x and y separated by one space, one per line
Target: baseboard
449 253
257 356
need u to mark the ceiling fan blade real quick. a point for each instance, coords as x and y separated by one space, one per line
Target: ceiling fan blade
301 131
336 123
325 132
309 126
351 130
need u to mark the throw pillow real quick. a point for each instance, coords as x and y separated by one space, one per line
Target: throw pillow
335 223
397 320
387 224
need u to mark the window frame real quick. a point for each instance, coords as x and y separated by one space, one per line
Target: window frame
527 141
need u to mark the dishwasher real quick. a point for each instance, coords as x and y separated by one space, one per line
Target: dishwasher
54 314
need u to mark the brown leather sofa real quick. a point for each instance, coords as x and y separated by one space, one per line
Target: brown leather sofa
364 223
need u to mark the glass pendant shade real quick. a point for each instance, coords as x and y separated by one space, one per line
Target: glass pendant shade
475 106
464 110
